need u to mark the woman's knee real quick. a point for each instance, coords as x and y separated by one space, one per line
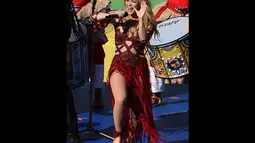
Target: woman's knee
120 99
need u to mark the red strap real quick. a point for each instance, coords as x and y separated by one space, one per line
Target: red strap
116 133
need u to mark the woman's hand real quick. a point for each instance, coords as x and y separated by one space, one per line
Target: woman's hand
141 27
142 10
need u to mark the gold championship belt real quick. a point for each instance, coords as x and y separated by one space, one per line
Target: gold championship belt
169 51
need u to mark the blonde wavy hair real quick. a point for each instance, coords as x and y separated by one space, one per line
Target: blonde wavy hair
148 19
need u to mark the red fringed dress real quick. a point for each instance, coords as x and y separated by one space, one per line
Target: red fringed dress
131 63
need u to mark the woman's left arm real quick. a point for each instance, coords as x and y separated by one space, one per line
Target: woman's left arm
141 30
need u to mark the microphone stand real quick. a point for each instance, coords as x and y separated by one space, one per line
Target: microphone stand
90 127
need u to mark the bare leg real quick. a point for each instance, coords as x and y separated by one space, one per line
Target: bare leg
119 90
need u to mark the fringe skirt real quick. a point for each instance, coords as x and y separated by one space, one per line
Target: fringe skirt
139 123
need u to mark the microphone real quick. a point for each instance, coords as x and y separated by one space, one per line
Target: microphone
115 16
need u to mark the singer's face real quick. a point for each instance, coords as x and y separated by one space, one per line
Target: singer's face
129 4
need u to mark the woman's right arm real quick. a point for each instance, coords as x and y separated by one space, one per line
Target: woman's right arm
100 20
101 15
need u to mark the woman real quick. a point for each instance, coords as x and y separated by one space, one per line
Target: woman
128 77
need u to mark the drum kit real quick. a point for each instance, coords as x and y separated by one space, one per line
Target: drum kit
169 51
